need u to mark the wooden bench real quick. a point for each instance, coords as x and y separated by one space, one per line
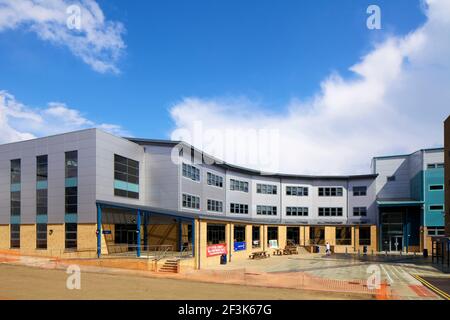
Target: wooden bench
259 255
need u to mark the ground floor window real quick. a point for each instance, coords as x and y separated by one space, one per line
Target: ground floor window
256 236
343 236
317 235
293 235
435 231
71 236
272 233
215 234
239 233
125 234
41 236
15 236
364 236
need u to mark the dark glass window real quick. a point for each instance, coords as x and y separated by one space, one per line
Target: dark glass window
296 191
191 172
71 200
266 189
239 233
126 170
266 210
41 201
436 187
72 164
331 192
42 168
364 236
15 203
359 211
238 208
71 236
15 171
41 236
293 235
330 212
15 236
256 236
214 180
296 211
215 234
359 191
343 236
272 233
317 235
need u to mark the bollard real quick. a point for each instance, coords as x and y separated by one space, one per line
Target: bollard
372 251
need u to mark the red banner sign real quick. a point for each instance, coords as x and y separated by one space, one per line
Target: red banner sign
216 250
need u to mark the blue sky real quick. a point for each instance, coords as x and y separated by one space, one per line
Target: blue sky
268 51
311 70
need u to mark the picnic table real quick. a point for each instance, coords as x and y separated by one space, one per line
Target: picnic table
259 255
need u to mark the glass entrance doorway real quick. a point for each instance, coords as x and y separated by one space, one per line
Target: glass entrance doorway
396 243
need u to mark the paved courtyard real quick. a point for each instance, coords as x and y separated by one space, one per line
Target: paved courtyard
397 271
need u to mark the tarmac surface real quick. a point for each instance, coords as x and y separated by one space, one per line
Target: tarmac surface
31 283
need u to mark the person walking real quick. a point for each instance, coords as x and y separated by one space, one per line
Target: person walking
328 249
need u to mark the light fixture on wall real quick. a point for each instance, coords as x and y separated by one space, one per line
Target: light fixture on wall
50 232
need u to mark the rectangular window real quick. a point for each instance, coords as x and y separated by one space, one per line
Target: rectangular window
435 231
272 233
435 165
256 236
266 210
41 186
215 234
237 185
266 189
344 236
296 211
191 202
239 233
359 191
15 171
238 208
41 201
437 207
214 180
330 192
42 168
215 206
15 236
330 212
297 191
15 203
71 164
126 177
317 235
41 236
359 211
71 236
364 236
390 178
191 172
436 187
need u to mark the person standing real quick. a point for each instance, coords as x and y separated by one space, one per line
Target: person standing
328 249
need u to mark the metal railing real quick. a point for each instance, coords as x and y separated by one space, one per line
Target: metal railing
153 252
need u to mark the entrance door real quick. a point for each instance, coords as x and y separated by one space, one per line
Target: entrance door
396 243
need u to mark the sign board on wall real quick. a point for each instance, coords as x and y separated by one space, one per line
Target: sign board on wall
273 244
240 246
216 250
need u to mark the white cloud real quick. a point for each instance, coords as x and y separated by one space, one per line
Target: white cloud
396 102
98 42
20 122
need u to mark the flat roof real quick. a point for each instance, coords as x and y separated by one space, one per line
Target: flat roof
228 166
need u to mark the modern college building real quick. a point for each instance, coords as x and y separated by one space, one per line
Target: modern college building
90 193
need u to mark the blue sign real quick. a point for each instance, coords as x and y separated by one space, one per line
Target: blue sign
106 231
239 246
